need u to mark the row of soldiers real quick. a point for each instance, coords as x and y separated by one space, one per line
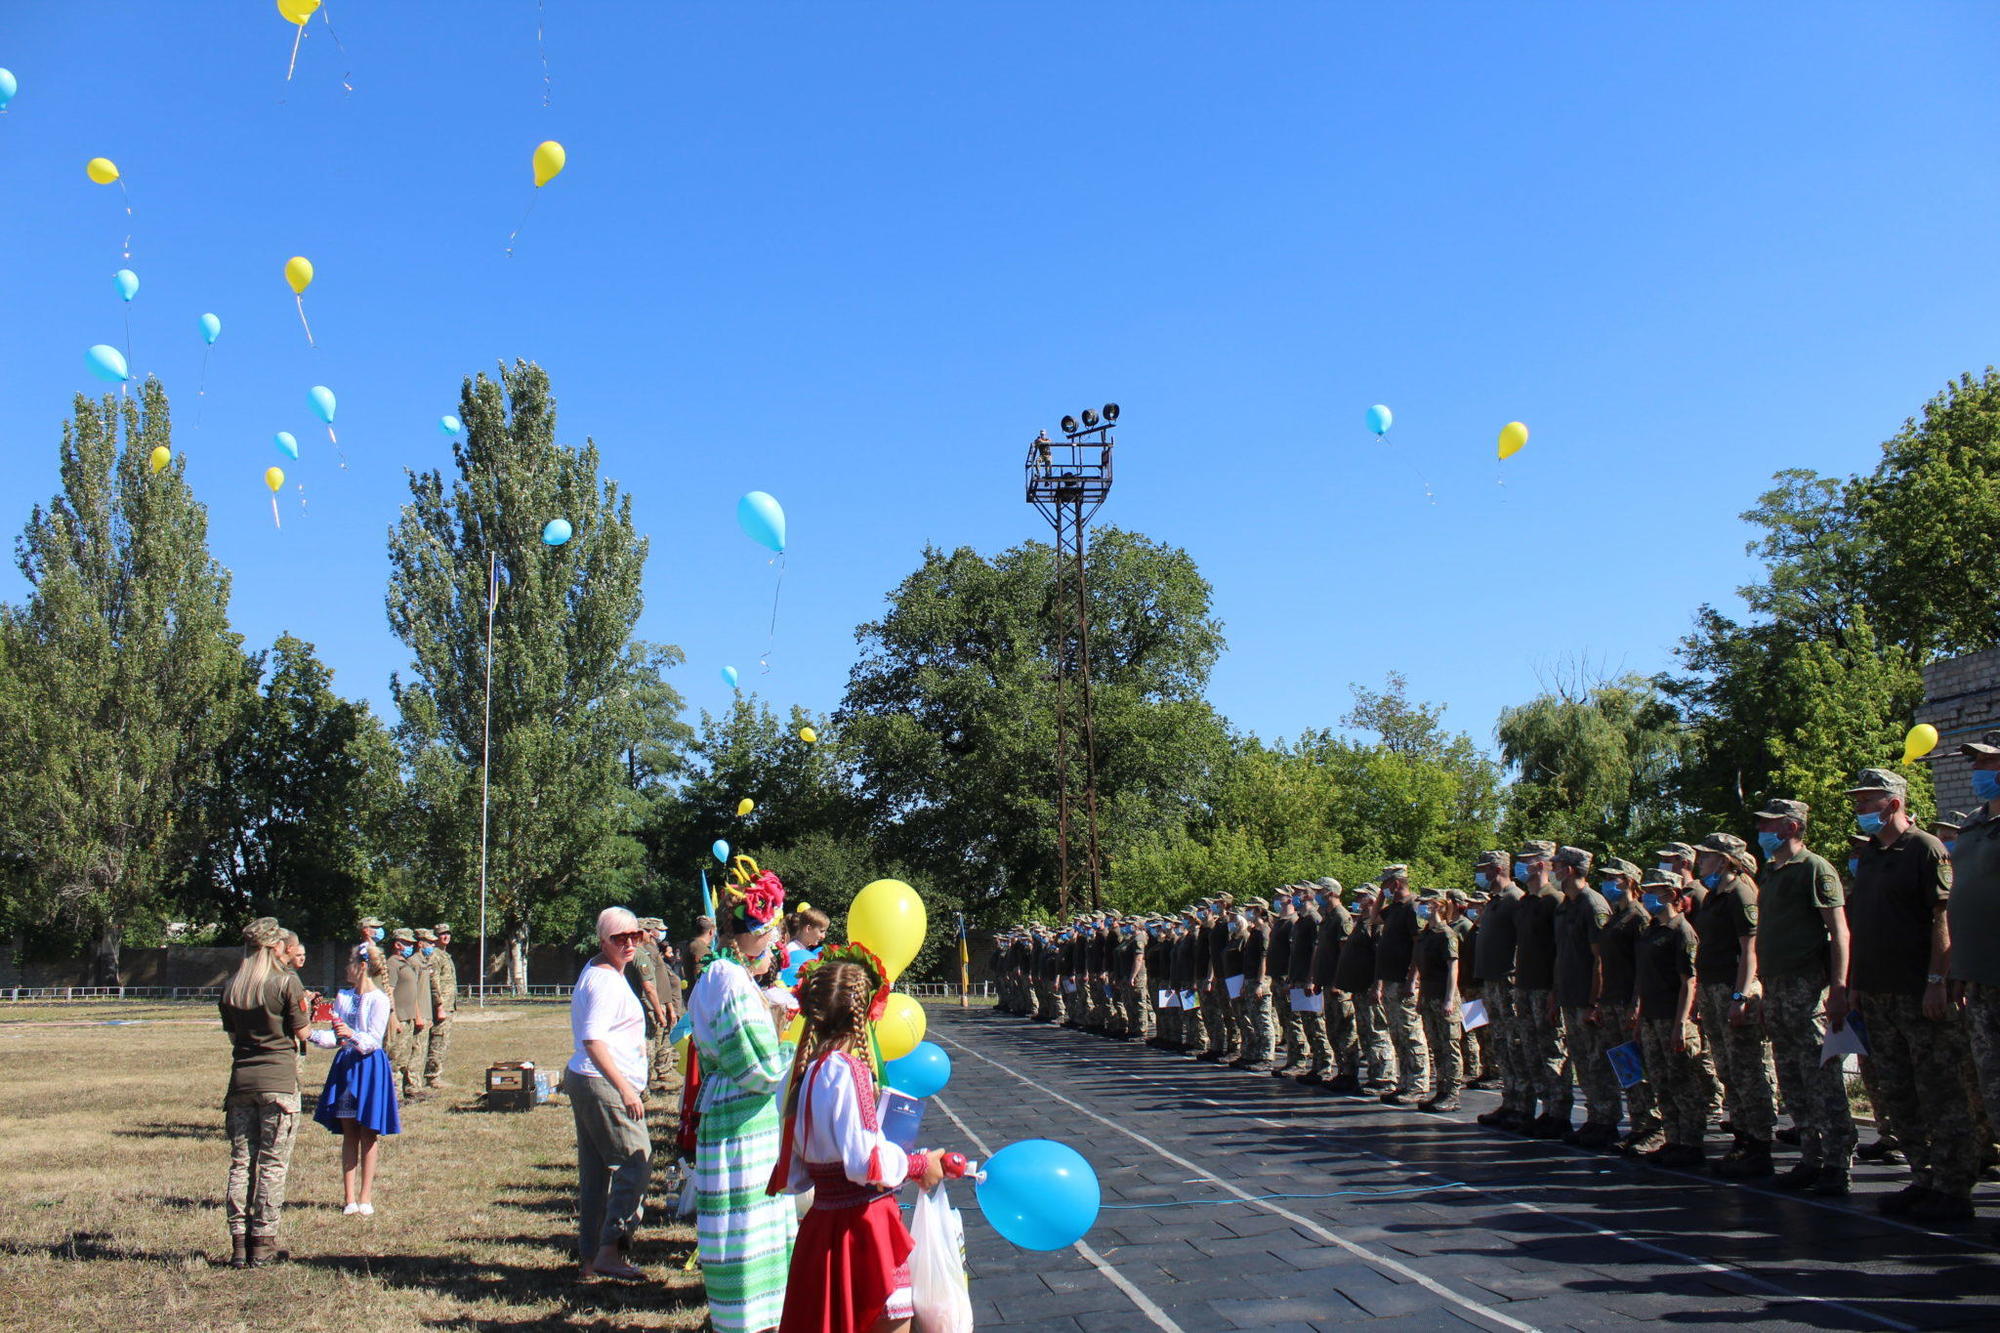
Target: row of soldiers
423 989
1722 973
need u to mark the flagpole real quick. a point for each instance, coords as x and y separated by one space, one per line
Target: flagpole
486 762
964 963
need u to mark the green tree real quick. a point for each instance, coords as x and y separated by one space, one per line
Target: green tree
123 677
573 694
1595 765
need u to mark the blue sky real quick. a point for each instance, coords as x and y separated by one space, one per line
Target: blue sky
857 255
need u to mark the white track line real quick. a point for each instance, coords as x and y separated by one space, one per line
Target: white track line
1160 1318
1402 1270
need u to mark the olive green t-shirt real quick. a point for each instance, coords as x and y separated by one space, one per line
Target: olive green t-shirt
1791 934
260 1035
1975 901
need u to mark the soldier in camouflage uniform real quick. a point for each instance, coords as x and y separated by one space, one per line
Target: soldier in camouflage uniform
1730 997
1133 934
1218 1010
1395 986
642 974
1048 977
1158 952
1973 920
1357 973
1678 859
410 1018
1299 977
1341 1071
1438 1000
1499 937
1536 1011
1254 1016
1580 922
444 993
1189 961
1288 1029
1618 1000
1668 1035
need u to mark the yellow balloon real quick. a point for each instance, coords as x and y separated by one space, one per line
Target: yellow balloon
889 918
297 11
549 161
1512 436
158 459
745 806
900 1028
681 1054
798 1026
808 735
1923 738
299 273
274 477
101 169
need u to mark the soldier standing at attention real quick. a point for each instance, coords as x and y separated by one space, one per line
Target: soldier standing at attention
1475 1056
1299 977
1580 920
1396 986
1802 951
1133 935
1342 1071
647 976
1159 977
1677 858
1218 1010
1048 978
1731 998
1253 1008
1668 1036
1617 998
1499 939
1898 918
444 992
1535 971
410 1013
1437 950
370 928
1356 974
1190 974
1974 916
1289 1031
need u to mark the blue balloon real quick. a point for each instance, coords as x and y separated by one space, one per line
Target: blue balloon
449 424
211 329
1380 419
721 851
762 519
921 1073
287 446
127 282
729 677
555 532
320 399
8 86
1039 1194
107 363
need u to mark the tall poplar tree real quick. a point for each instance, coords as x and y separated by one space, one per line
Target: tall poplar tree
123 676
572 691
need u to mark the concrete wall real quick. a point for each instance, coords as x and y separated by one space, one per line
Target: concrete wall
1961 699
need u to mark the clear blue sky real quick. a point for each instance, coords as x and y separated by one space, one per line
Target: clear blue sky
856 255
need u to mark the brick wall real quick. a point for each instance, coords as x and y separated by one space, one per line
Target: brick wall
1961 699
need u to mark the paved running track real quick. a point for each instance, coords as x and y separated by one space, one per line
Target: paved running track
1433 1221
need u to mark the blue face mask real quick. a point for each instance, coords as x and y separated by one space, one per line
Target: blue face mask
1853 867
1655 904
1472 914
1770 843
1520 870
1614 890
427 949
1986 783
1482 879
1869 822
1423 912
403 950
1713 879
1948 846
1201 915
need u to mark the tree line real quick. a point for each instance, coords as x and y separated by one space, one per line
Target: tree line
155 769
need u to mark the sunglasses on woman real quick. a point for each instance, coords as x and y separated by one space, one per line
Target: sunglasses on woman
627 937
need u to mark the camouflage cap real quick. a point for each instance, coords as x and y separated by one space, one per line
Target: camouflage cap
263 932
1659 879
442 927
1986 747
374 921
1397 871
1459 896
1949 819
1618 865
1726 843
1779 808
1328 882
1574 857
1429 895
1536 849
1493 861
1880 779
403 935
1679 849
651 923
1263 903
425 936
1224 900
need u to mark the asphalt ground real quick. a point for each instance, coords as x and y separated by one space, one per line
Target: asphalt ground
1398 1219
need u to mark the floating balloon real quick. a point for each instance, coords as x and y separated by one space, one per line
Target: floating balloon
720 851
762 520
1380 418
549 162
744 807
297 11
8 87
107 363
729 677
127 283
889 918
808 735
211 329
921 1073
287 445
299 276
1512 436
1039 1194
555 532
274 478
320 399
101 169
900 1028
449 424
158 459
1923 738
792 1032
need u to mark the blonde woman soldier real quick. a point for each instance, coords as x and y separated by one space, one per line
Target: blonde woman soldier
264 1011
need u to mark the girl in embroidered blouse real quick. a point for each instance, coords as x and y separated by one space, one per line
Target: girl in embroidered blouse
850 1265
359 1100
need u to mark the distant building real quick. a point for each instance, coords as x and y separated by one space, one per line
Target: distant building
1961 699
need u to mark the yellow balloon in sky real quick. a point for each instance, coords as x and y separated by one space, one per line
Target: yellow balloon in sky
808 735
101 169
889 919
745 806
900 1028
549 160
158 459
299 273
297 11
1923 738
274 477
1512 436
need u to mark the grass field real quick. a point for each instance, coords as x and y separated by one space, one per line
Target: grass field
114 1157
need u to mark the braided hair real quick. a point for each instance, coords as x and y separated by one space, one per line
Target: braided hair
833 1001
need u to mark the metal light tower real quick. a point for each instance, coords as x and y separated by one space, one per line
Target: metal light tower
1067 481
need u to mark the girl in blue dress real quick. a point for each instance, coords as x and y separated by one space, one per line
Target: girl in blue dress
359 1101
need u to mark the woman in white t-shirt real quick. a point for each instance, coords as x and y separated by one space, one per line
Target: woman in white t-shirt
605 1081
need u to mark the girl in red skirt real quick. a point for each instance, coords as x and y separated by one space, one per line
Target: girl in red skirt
850 1265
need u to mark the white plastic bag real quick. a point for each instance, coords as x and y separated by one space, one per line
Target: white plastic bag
937 1266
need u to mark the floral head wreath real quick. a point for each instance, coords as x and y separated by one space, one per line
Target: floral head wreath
862 957
755 897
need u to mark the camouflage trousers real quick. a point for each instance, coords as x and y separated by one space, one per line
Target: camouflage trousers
1917 1067
262 1128
1406 1033
1587 1043
1815 1094
1097 1006
1218 1020
1255 1022
1048 1001
1343 1042
1683 1106
1378 1049
1291 1023
1138 1009
407 1049
1502 999
1547 1062
1444 1029
1620 1026
434 1053
1475 1056
1982 1029
1742 1063
1319 1050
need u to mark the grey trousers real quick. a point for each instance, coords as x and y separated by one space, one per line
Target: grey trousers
613 1164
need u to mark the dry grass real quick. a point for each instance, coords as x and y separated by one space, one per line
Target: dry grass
114 1158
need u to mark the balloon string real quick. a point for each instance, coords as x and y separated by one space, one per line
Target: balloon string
201 388
336 446
543 50
299 299
302 498
326 12
274 511
297 37
128 333
771 643
522 223
127 196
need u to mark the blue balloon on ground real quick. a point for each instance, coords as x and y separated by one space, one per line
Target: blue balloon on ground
449 424
556 531
128 283
762 519
211 329
8 86
1380 419
320 399
1039 1194
921 1073
107 363
721 850
729 677
287 446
